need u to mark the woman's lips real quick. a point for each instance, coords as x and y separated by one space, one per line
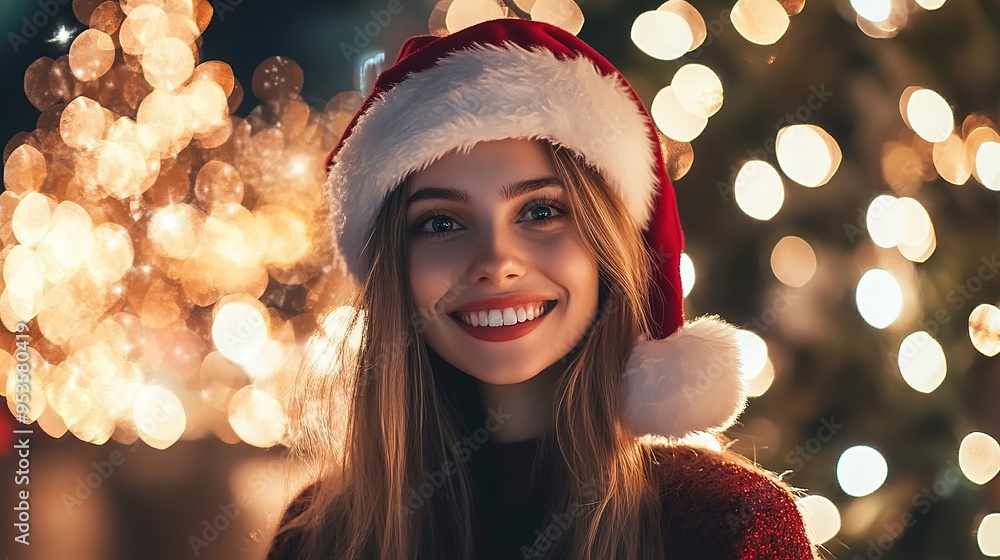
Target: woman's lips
506 332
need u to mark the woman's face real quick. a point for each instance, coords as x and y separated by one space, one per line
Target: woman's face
494 224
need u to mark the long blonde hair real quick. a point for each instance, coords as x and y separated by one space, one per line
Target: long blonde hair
406 407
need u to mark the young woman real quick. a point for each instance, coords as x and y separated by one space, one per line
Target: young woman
525 379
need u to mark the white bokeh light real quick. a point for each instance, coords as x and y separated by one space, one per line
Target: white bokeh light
861 470
879 298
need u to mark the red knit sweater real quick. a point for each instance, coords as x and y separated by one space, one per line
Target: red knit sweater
713 508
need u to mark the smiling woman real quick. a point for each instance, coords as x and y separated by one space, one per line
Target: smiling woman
525 376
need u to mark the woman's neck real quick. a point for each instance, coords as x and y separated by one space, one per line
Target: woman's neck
520 411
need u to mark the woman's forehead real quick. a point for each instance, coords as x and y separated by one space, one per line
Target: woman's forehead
487 166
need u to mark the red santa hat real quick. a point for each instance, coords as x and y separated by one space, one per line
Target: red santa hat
513 78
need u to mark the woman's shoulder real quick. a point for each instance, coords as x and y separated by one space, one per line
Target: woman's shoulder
720 505
287 539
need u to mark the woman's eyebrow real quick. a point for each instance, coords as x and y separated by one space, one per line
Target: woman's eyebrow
509 192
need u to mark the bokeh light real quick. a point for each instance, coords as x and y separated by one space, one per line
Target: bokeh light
807 154
861 470
698 89
988 535
879 298
984 329
753 353
671 117
929 115
793 261
759 190
988 165
979 457
687 274
922 362
821 516
662 35
762 22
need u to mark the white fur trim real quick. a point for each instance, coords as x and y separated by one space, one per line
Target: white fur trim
687 382
483 93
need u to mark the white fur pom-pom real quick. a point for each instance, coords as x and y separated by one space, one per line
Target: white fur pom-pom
689 381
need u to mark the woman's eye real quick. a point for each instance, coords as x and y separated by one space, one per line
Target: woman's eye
544 212
441 224
435 225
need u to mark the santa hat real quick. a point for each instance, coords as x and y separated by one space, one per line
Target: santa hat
512 78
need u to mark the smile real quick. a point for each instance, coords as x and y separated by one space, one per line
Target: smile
499 325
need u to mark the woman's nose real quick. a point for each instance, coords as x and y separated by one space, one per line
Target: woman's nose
497 256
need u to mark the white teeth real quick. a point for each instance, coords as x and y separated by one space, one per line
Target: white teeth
496 318
509 316
503 317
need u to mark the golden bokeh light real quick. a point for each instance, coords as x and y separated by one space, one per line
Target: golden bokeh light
24 170
930 4
873 10
984 329
466 13
677 156
979 457
218 183
807 154
565 14
83 123
159 416
976 137
112 253
760 383
886 220
239 331
687 274
91 55
952 161
759 190
671 118
691 16
793 261
922 362
662 35
142 27
988 535
821 517
918 223
32 218
928 114
257 417
753 353
762 22
861 470
698 89
167 63
988 165
879 298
